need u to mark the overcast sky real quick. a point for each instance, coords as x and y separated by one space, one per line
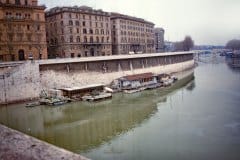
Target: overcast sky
207 21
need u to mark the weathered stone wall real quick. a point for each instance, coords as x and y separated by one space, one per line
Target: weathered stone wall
61 79
115 65
21 83
25 81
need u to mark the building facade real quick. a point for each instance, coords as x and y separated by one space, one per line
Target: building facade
78 32
159 39
22 30
131 35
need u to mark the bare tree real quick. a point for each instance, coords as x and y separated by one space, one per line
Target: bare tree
187 43
184 45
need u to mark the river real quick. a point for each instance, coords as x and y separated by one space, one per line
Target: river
197 118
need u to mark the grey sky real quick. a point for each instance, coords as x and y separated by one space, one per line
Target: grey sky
207 21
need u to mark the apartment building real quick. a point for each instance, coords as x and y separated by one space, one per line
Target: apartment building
131 35
159 39
22 30
78 32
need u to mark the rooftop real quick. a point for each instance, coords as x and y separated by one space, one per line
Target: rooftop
118 15
138 76
82 87
77 9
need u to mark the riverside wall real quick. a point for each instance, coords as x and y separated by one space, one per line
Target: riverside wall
19 83
25 81
61 74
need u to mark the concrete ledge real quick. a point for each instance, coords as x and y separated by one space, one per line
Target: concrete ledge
109 58
18 146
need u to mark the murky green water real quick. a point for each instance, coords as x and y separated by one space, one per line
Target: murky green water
194 119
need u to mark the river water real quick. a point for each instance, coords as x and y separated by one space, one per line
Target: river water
197 118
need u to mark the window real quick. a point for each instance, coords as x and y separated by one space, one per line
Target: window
90 31
62 38
96 31
96 24
70 15
77 23
56 41
70 22
84 23
77 30
70 30
28 27
61 23
91 39
97 39
102 31
102 39
84 31
71 39
26 2
85 39
38 27
78 39
17 2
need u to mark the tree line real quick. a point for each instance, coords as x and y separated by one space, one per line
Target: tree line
184 45
233 44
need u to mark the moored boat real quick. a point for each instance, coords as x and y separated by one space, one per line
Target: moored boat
32 104
97 97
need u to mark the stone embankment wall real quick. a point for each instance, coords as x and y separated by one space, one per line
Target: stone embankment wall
26 80
18 146
61 79
20 83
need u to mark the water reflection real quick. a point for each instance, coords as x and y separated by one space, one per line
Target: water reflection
82 126
233 64
191 86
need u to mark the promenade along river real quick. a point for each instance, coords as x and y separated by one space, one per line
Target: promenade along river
194 119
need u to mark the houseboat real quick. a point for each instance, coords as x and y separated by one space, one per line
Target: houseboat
140 82
135 83
88 93
165 79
